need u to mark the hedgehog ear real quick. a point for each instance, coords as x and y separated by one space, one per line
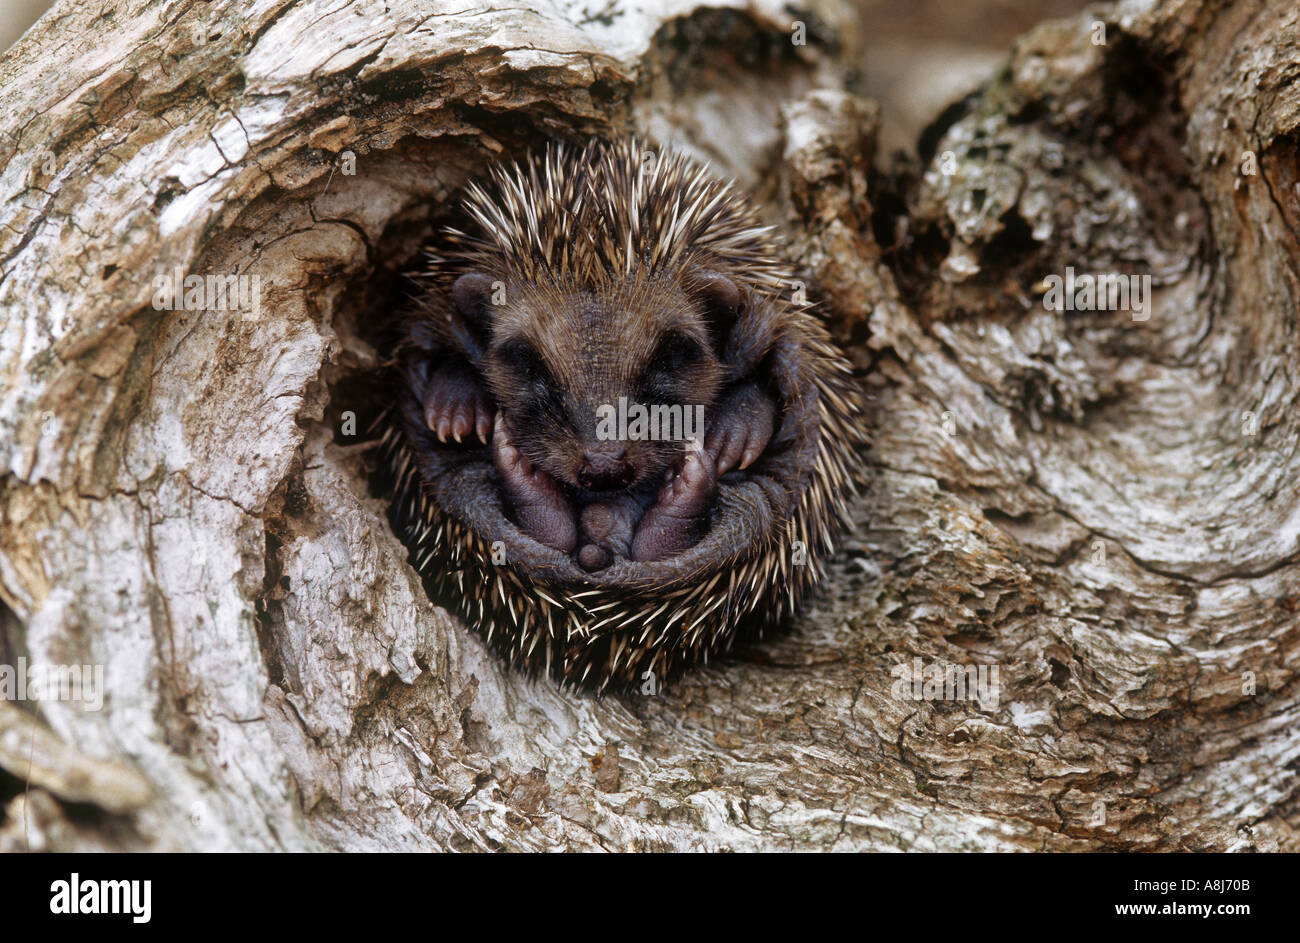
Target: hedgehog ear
471 297
722 303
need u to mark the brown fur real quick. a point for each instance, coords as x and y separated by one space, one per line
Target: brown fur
593 259
595 347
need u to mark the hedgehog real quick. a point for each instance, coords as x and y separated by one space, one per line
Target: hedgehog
618 442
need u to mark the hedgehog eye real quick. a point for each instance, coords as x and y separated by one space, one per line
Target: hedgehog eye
675 352
523 360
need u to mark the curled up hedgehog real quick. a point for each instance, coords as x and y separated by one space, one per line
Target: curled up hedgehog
618 445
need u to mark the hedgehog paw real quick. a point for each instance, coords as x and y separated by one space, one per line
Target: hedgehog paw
456 405
677 518
540 507
742 428
606 529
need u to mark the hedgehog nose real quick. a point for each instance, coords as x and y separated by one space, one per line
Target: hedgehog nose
605 468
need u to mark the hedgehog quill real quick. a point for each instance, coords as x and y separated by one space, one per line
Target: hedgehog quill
550 477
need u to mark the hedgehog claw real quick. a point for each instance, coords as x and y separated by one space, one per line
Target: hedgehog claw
541 509
677 519
745 423
456 404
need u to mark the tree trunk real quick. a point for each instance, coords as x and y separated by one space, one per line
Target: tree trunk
1098 506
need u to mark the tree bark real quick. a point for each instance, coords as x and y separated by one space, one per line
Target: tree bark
1101 507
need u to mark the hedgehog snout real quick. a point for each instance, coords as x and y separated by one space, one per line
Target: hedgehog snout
605 467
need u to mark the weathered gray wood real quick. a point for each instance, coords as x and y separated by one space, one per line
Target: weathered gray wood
176 508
